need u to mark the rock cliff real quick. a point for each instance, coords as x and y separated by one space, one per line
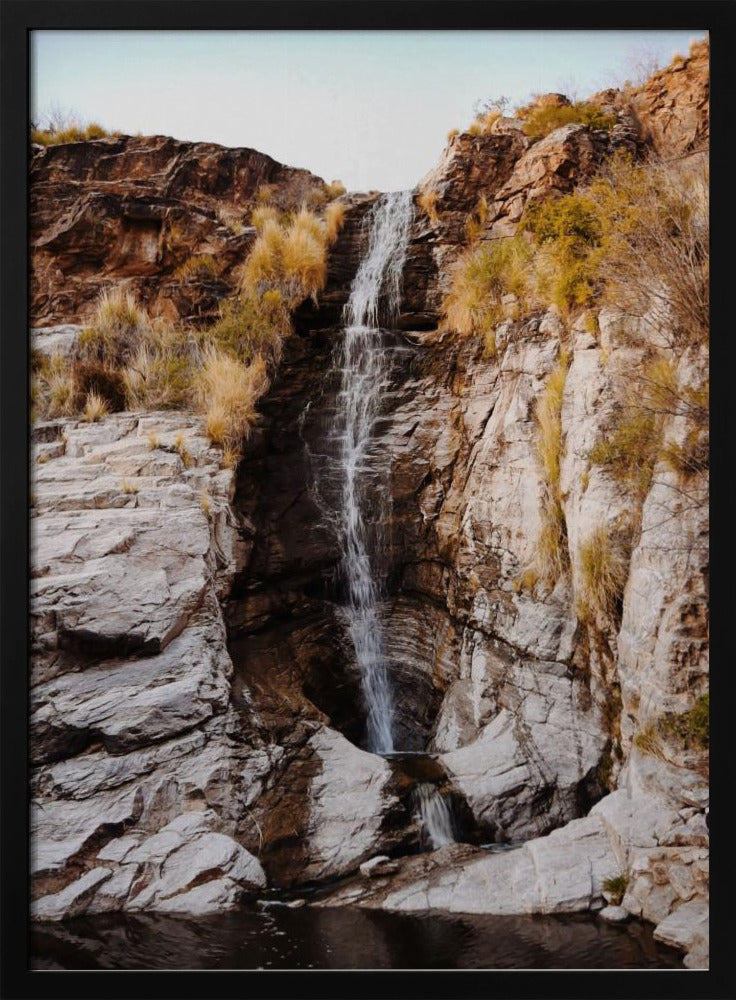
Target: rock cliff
197 718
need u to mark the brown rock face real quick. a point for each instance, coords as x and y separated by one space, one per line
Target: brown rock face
672 108
131 210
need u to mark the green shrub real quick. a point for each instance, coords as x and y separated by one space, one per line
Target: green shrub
616 886
629 450
252 325
691 729
566 231
542 119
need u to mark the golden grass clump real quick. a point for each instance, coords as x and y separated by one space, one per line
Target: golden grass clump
542 118
335 190
552 556
129 488
198 267
290 258
334 220
158 376
264 194
55 389
251 325
118 325
263 214
228 392
427 201
452 134
71 132
95 408
183 452
602 576
475 128
481 278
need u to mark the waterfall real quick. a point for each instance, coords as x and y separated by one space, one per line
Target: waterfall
364 497
435 814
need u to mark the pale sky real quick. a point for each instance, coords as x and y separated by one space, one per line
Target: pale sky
370 108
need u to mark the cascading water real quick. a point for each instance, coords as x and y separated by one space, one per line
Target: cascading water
435 815
363 474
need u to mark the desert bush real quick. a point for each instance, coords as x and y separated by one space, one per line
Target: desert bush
251 325
542 118
629 450
228 392
198 267
55 391
654 256
477 219
230 217
482 276
158 377
566 232
118 327
602 576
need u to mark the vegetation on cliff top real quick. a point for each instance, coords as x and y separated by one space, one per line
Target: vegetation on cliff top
126 359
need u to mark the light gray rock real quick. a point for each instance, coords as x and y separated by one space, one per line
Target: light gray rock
378 866
560 873
73 900
349 798
614 914
686 927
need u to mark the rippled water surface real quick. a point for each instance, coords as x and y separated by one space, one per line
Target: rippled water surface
311 938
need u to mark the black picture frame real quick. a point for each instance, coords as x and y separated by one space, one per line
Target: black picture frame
17 19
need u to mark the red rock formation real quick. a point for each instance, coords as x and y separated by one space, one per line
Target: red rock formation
671 109
131 210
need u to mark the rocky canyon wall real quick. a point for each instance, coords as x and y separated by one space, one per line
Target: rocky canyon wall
197 716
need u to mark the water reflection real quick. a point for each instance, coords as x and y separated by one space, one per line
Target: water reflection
341 938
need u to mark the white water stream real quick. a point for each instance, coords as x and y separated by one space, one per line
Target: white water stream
435 813
364 490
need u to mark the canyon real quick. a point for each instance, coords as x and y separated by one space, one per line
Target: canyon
200 728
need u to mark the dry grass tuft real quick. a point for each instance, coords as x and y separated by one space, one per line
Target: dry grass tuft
153 441
335 190
334 220
205 502
481 278
427 201
117 328
130 488
552 556
262 215
602 576
95 408
229 391
198 267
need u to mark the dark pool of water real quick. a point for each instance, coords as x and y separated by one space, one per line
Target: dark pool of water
341 938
